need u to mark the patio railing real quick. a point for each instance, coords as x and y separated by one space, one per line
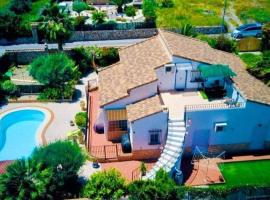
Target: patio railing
197 107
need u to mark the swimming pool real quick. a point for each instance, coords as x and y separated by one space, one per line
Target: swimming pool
20 131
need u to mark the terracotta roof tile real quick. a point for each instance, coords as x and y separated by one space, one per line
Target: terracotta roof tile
137 64
136 67
144 108
182 46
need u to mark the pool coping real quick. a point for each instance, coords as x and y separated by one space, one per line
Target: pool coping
41 132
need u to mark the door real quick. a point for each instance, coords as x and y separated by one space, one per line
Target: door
180 79
258 137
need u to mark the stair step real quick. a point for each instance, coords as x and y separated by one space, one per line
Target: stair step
171 153
175 138
173 143
178 134
176 129
182 123
176 120
172 148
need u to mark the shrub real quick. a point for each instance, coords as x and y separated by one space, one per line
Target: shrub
65 159
130 11
9 25
266 37
98 17
262 70
149 10
119 4
188 30
82 59
105 185
79 23
167 3
20 6
26 179
162 187
108 56
9 88
81 119
53 70
212 41
225 44
79 6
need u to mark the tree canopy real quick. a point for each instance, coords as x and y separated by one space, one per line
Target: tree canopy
53 69
79 6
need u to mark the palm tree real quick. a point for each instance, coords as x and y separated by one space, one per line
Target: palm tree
98 17
25 179
95 53
56 25
119 4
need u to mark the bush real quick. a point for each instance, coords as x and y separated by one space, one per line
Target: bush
167 3
79 6
53 70
81 119
9 88
105 185
108 56
266 37
225 44
130 11
262 70
20 6
9 25
162 187
149 10
82 59
188 30
212 41
65 159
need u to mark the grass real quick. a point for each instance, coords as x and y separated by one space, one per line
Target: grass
254 173
203 94
248 11
195 12
250 59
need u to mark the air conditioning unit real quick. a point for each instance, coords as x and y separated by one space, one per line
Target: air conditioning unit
169 68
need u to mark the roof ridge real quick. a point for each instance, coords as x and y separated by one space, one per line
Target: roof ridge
165 43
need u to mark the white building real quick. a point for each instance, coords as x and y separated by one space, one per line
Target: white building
172 93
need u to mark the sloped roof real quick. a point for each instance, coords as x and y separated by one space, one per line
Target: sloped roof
135 68
144 108
137 64
194 49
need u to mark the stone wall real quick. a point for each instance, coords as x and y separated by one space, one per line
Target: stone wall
112 34
210 29
20 40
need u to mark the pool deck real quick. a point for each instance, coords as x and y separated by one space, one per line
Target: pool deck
62 112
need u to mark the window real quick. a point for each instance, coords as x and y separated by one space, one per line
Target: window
120 125
168 69
154 136
219 127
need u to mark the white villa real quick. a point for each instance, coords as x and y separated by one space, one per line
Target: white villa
172 93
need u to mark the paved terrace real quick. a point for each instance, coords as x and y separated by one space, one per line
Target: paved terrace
178 101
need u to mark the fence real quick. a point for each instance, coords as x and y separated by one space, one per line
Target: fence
249 44
213 106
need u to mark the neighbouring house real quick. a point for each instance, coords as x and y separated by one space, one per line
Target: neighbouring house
172 93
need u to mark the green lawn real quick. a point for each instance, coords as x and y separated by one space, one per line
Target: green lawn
251 59
257 10
246 173
195 12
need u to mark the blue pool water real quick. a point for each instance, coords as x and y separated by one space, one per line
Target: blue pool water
18 133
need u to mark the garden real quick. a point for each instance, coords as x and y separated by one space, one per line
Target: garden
246 173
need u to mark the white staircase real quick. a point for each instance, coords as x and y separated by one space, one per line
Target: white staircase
173 148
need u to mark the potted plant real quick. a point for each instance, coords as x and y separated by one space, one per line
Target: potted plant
95 164
143 169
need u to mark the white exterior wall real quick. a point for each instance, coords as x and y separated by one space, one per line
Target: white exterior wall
166 80
140 130
135 95
248 125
